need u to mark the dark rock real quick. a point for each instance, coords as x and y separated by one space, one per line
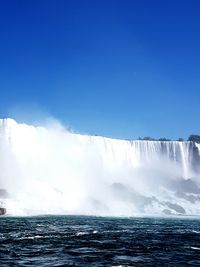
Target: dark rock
195 158
177 208
167 212
127 194
2 211
189 197
184 186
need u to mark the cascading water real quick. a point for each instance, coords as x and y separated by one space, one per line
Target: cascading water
48 170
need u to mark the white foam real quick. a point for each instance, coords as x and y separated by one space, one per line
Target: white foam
49 170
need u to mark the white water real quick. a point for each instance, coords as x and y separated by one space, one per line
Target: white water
198 146
48 170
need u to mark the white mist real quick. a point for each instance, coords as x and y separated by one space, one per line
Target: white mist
48 170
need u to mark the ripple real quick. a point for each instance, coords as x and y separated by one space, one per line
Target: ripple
93 241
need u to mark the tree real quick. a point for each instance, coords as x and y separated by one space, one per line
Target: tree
147 138
180 139
194 138
164 139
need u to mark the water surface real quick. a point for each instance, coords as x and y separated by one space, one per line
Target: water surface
96 241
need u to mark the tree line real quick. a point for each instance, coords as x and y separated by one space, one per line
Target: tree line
193 138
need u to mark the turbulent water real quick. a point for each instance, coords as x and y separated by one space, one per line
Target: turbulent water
49 170
93 241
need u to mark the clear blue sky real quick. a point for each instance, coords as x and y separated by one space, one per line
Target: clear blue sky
123 69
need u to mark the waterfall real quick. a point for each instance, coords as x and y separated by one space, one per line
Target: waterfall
198 147
49 170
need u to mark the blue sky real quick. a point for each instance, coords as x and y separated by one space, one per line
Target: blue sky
116 68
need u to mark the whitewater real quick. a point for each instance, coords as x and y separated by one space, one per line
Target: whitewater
50 170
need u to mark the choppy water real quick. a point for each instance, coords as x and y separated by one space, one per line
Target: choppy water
95 241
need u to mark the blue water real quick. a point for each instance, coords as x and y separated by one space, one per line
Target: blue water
95 241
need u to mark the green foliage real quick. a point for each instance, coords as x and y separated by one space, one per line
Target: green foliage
194 138
164 139
147 138
180 140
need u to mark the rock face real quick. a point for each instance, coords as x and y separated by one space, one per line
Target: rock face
2 211
3 195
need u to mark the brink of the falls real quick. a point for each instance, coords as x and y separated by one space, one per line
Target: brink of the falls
49 170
